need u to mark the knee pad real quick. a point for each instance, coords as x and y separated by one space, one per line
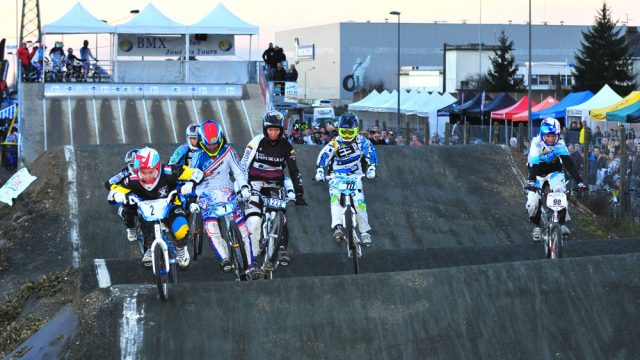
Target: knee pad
533 202
254 223
212 229
180 227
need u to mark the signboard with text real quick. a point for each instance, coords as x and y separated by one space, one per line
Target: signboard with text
146 45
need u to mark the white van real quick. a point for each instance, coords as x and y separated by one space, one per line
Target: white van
322 116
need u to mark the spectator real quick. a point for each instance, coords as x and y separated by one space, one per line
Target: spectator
391 140
12 137
280 74
597 135
292 74
513 142
37 58
331 130
400 140
631 134
375 139
585 131
269 57
572 133
414 141
25 58
456 132
576 157
85 56
280 57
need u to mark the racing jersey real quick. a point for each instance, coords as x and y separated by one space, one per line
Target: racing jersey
117 179
347 157
264 161
217 169
183 155
166 182
543 161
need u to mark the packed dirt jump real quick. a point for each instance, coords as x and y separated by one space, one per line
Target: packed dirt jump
452 272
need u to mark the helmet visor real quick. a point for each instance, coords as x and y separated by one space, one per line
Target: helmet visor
347 134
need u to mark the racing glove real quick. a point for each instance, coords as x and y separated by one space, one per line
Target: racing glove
320 174
371 172
300 200
531 185
187 188
582 187
118 196
194 208
245 192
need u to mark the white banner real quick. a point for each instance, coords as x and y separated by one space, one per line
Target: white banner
145 45
16 185
291 92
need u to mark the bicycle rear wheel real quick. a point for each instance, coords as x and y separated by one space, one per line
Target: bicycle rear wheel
351 241
161 274
96 77
556 242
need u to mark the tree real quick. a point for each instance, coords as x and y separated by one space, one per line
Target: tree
604 57
501 77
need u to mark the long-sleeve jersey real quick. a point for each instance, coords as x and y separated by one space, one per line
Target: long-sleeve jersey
166 182
346 157
543 162
183 155
117 179
264 161
217 169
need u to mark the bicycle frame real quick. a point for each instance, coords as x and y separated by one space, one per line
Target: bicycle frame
347 186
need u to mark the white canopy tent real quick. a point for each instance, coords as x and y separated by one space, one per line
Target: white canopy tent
363 103
605 97
418 103
78 21
150 21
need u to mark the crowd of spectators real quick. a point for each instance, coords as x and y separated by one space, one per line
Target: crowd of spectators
276 61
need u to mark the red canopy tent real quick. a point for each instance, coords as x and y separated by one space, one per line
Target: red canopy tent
508 112
524 116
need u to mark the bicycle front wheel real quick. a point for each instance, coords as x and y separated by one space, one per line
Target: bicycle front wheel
275 237
96 77
161 274
351 240
556 242
240 257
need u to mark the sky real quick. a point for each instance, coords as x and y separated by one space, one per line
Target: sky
280 15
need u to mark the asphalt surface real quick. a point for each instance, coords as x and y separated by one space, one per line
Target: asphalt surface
583 308
452 273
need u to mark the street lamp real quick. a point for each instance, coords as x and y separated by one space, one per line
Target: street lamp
529 79
305 83
397 13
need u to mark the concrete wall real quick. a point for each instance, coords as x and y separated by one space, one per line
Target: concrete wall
325 80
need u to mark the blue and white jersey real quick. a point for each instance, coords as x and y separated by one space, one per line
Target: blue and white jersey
346 157
217 170
183 155
539 153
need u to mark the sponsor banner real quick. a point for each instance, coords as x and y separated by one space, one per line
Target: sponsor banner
306 52
291 92
145 45
16 185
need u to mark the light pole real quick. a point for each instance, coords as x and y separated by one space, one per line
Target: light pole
305 83
397 13
529 78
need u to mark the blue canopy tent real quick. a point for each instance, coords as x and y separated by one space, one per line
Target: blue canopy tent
501 101
559 110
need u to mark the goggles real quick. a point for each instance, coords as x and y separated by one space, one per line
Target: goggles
347 133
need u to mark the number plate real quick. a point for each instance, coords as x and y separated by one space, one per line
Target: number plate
347 186
153 210
556 201
224 209
276 203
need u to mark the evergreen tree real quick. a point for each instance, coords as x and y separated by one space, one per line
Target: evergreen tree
501 77
604 57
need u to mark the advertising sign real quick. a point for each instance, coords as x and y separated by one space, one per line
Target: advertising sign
305 52
146 45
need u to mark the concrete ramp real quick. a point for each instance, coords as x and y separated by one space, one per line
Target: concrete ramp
571 309
54 121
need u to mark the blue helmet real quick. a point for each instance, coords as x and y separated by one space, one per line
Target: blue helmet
549 126
348 126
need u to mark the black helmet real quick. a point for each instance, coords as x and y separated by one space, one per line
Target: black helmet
273 119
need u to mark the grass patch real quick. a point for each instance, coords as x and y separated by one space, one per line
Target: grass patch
16 327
